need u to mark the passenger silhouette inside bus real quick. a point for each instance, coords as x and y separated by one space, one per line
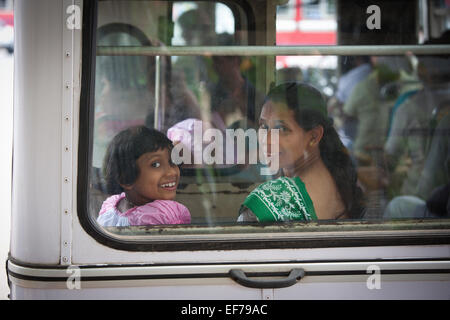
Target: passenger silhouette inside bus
140 174
233 96
416 149
432 199
411 132
358 68
197 29
318 177
226 95
369 106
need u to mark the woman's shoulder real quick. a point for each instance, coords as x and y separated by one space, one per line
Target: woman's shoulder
281 199
279 183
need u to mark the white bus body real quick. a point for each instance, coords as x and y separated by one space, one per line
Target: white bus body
52 256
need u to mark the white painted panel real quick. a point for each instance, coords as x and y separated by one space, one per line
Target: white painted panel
207 289
164 292
358 290
37 131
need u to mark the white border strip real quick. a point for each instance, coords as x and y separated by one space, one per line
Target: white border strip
123 271
364 270
67 137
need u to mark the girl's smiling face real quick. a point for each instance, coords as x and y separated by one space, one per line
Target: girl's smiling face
157 179
294 141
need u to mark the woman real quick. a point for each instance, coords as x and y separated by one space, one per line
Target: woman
318 179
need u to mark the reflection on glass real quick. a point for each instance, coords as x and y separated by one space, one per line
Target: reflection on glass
386 111
387 114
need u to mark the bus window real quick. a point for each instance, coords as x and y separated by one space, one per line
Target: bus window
194 71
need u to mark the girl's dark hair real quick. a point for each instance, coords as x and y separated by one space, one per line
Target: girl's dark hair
119 164
310 111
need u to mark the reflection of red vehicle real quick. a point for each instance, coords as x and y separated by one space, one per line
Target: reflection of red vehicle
7 17
7 31
303 22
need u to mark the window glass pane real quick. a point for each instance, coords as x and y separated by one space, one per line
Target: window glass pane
357 137
390 111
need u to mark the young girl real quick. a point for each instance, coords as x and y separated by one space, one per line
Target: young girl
138 167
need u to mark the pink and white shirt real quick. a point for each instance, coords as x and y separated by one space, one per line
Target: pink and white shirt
155 212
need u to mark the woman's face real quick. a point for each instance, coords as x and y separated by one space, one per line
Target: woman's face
157 180
294 142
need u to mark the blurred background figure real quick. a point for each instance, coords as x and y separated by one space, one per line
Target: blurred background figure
359 70
289 74
369 106
233 97
370 103
414 120
413 123
197 27
432 199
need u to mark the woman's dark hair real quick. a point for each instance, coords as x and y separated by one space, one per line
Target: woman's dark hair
119 164
310 111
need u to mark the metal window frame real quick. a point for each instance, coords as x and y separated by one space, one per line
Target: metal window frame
358 235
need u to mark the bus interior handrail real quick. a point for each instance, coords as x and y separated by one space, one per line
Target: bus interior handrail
272 50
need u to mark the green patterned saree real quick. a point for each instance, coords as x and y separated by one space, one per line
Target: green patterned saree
282 199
